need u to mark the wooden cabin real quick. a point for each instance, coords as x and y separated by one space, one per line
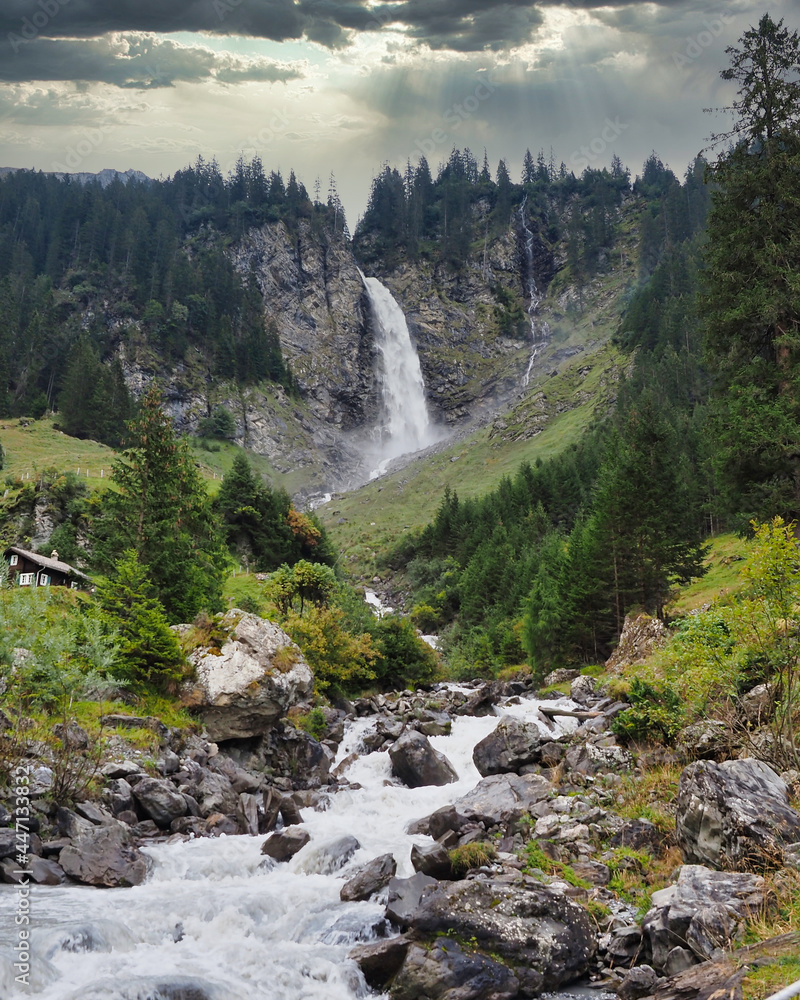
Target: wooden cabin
28 569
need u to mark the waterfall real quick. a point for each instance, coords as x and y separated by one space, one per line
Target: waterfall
540 331
219 921
406 424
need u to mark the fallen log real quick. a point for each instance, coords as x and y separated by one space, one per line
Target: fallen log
551 713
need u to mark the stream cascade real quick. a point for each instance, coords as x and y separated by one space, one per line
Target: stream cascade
216 920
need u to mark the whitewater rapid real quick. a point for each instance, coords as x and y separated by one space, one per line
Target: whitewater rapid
218 920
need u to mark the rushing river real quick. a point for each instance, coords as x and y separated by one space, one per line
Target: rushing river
217 921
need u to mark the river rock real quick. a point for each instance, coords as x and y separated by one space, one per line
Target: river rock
429 722
104 856
380 960
448 972
734 814
70 824
538 934
639 982
159 800
287 750
214 794
94 813
330 856
120 769
285 844
416 763
370 879
670 922
503 798
432 859
512 745
404 897
250 681
45 871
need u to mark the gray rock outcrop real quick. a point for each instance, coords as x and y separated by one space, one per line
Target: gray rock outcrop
734 814
450 972
250 681
641 634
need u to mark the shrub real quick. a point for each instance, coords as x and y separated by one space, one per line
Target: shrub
656 713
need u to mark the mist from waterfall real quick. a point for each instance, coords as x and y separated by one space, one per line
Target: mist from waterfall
405 425
540 331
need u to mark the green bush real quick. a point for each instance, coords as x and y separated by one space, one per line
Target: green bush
656 713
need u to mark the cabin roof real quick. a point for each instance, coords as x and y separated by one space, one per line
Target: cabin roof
46 563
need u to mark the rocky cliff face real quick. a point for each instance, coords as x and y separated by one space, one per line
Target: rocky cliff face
467 362
313 293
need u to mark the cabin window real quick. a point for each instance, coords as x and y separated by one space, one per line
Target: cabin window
26 579
44 580
13 560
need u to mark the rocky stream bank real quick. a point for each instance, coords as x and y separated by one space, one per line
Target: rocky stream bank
465 842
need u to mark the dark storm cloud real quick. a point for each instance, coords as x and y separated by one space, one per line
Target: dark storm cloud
461 25
141 61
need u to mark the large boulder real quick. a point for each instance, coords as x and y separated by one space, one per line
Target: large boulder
248 681
700 913
104 856
536 932
416 763
734 814
503 798
512 745
159 800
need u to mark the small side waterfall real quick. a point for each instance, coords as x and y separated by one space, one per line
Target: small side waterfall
406 424
540 331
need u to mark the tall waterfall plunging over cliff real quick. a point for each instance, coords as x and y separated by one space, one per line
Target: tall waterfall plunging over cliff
406 424
540 331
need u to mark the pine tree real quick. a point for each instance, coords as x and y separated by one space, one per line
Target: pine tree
750 302
159 510
149 654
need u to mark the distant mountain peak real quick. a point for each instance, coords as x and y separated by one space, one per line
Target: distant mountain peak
105 177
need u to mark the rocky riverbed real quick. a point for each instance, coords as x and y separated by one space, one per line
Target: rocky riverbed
451 843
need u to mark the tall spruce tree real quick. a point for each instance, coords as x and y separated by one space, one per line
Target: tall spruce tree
751 300
159 510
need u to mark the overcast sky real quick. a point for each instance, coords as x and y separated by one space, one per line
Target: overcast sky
346 85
